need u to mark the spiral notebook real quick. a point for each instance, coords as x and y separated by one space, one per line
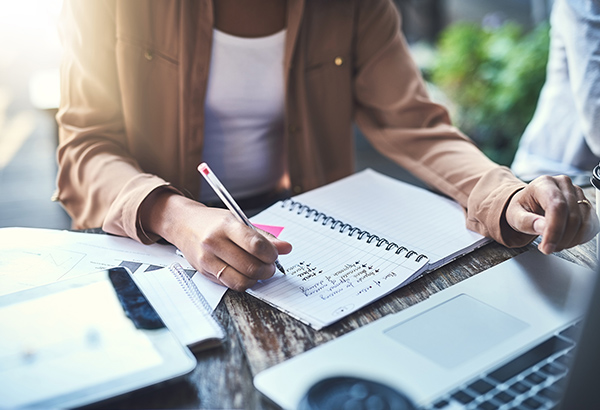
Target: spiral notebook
355 241
181 306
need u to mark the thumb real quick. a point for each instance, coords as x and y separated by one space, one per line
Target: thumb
527 222
283 247
539 224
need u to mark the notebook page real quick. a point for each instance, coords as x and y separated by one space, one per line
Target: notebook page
186 317
402 213
329 274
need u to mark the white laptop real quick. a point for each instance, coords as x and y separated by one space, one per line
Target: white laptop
500 339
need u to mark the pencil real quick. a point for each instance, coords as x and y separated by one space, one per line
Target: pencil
228 200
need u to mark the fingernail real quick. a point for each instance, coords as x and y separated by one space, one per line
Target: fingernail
549 248
539 225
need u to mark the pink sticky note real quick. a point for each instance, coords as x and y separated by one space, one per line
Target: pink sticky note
273 230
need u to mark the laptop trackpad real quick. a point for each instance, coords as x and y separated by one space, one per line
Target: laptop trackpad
456 331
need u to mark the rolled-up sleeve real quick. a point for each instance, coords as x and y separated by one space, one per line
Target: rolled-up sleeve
395 113
99 183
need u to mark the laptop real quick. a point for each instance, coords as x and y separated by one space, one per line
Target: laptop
504 338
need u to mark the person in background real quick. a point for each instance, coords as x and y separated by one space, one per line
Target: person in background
266 92
563 136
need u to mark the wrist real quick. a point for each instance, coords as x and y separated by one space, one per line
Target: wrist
158 213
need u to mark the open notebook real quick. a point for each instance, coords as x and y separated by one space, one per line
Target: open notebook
356 240
181 306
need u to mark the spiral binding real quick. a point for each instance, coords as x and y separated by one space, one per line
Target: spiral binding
193 292
335 223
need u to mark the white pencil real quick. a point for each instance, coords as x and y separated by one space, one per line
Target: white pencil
228 200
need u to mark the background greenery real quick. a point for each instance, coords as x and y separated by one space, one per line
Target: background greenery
493 78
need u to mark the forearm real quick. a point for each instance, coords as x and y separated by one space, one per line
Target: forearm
95 166
162 213
100 185
212 240
395 113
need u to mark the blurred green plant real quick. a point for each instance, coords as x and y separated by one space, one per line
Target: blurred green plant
494 78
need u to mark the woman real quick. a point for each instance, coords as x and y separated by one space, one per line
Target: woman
142 104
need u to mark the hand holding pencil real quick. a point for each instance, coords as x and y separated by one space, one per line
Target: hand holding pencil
212 240
228 200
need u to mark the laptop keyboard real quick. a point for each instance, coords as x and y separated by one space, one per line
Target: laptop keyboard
531 381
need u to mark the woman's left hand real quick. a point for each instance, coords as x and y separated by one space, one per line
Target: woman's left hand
555 209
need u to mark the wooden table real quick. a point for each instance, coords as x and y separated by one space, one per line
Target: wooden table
260 336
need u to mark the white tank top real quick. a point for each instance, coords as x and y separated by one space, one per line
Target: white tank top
244 114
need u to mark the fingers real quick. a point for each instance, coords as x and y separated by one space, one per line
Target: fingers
228 263
592 225
525 218
563 216
283 247
227 251
227 275
570 219
252 241
244 250
556 209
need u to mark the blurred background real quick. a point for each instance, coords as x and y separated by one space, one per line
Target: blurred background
484 59
29 96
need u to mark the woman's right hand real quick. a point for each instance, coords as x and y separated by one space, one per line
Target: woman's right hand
213 241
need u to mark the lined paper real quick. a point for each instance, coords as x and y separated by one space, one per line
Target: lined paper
392 209
328 274
331 273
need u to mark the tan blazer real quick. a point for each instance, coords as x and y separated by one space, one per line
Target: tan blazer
134 77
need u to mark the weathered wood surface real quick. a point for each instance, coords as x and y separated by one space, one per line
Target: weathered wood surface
260 336
270 336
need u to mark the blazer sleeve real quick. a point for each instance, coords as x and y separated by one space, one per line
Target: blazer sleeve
99 183
394 112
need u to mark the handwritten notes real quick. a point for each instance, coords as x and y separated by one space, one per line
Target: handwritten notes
337 267
329 274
